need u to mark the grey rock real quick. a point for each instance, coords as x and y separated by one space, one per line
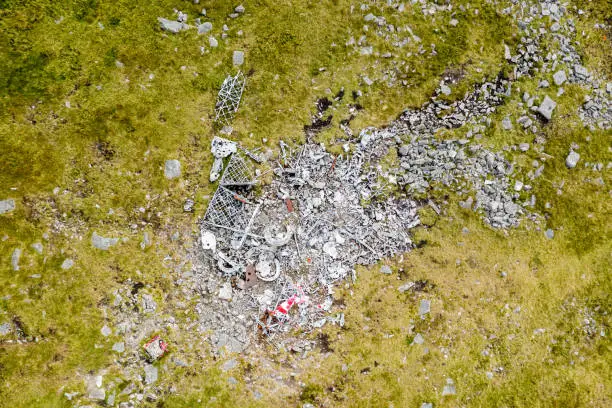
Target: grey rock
549 233
507 123
449 388
172 169
5 328
204 28
544 84
225 292
386 269
453 22
7 205
507 54
580 71
212 41
418 339
172 26
110 400
559 77
424 307
67 264
150 374
103 243
119 347
427 405
523 147
555 27
146 240
238 58
188 206
106 331
572 159
370 17
15 258
96 393
546 107
229 364
240 9
38 247
148 304
367 80
445 90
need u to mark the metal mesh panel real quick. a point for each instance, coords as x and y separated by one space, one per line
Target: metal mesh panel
227 209
228 99
237 172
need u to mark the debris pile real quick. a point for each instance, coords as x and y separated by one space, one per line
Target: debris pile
280 248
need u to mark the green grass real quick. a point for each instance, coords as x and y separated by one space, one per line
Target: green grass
107 151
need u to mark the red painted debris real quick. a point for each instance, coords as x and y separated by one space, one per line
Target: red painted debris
156 347
289 205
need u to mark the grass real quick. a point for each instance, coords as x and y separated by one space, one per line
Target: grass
72 117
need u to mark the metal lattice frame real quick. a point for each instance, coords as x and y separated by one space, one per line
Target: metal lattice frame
228 210
237 172
228 99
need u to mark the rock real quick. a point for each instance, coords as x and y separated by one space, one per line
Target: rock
523 147
172 169
549 233
150 374
212 41
555 27
518 185
418 339
427 405
506 123
229 364
424 307
188 206
5 328
148 303
370 17
119 347
572 159
204 28
240 9
15 258
7 206
449 388
445 89
106 331
581 72
453 22
38 247
559 77
238 58
67 264
386 269
546 107
225 292
101 242
172 26
146 241
507 54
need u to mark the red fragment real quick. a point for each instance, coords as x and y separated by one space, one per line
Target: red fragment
289 205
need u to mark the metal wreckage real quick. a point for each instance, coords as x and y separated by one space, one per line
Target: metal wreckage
288 241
